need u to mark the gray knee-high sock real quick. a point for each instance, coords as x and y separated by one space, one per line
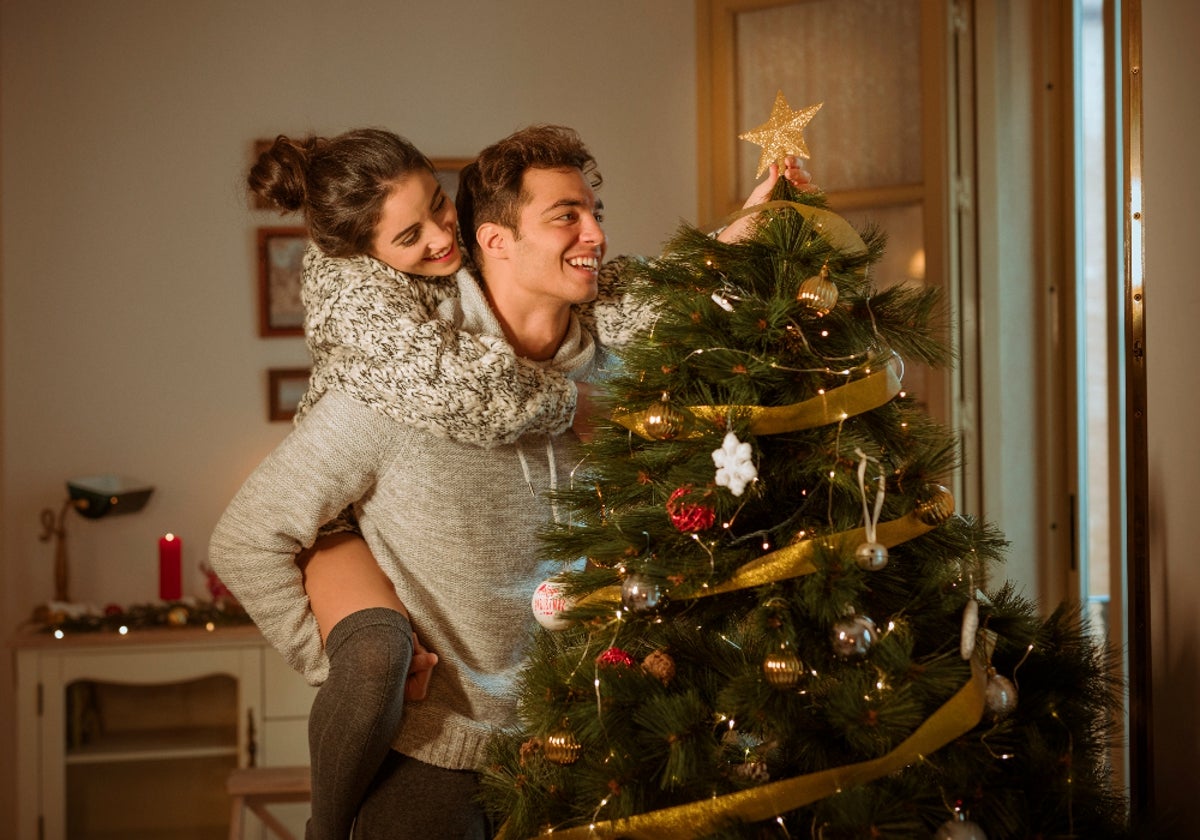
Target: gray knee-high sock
355 714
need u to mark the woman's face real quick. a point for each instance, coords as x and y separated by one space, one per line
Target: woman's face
417 230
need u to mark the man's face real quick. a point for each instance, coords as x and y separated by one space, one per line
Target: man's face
559 242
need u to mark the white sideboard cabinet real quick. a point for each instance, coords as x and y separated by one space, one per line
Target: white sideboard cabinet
131 736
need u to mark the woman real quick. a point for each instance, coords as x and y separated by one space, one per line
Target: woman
385 256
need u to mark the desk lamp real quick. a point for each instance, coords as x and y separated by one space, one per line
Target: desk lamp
93 497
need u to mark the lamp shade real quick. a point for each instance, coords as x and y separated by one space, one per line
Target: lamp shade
100 495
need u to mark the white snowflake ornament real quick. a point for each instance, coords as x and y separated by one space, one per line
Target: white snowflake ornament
734 468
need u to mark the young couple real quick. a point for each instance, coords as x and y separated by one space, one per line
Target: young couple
440 409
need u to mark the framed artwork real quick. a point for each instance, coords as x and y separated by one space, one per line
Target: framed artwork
447 172
280 256
285 387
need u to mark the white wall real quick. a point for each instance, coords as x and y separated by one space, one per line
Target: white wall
1171 66
129 324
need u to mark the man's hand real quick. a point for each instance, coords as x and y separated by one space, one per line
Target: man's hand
416 686
796 175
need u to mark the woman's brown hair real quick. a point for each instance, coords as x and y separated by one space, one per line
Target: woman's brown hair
338 183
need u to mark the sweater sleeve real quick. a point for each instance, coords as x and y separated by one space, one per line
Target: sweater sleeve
327 462
375 334
617 314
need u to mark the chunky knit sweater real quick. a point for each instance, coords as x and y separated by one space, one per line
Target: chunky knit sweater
383 337
452 525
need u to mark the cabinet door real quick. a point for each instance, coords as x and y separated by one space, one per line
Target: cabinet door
288 699
179 748
30 804
288 695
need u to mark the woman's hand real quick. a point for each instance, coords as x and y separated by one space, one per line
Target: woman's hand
416 686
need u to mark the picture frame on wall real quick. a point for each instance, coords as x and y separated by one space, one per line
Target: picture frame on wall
280 264
285 388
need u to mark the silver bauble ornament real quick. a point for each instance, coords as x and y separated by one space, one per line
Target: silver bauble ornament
1000 696
853 636
753 771
640 594
959 828
871 556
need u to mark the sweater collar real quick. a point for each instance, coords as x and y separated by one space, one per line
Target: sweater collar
469 312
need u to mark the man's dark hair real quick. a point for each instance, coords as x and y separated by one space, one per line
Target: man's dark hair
489 188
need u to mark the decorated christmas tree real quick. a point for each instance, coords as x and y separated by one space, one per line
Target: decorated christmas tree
783 628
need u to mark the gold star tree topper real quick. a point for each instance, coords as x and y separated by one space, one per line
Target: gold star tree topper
782 134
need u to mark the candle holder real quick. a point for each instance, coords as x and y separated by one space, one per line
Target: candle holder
93 497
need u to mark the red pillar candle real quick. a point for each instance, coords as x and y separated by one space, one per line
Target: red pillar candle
170 568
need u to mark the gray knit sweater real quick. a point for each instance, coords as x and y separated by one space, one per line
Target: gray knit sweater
452 525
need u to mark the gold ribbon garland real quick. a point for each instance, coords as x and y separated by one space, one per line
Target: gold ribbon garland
836 404
957 716
829 225
794 560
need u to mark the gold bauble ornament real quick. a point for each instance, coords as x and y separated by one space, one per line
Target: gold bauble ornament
782 669
782 134
663 421
819 293
936 505
660 665
562 748
178 616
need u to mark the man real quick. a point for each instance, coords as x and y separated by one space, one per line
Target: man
453 526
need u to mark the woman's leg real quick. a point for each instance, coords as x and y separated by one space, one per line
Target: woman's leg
342 577
355 715
411 800
357 710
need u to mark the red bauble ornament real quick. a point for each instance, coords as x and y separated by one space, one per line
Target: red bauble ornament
615 658
689 517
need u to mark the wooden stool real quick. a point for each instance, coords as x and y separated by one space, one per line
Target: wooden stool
256 787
